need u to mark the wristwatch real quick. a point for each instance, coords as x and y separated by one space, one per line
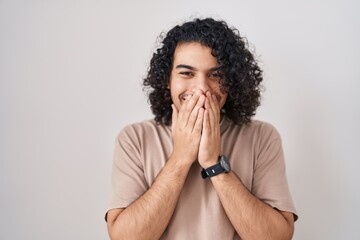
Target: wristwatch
222 166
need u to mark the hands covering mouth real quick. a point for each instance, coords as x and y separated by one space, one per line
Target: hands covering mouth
187 95
196 128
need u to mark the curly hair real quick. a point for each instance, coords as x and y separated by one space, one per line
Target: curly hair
241 75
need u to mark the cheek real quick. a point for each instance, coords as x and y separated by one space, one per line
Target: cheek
218 90
179 87
223 100
175 90
176 85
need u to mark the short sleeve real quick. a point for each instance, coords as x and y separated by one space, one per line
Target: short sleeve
270 182
128 181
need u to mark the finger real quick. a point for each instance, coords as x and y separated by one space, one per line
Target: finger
214 104
216 115
174 115
209 105
194 114
184 111
199 122
187 107
206 122
192 101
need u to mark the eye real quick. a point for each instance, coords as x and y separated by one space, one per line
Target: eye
216 75
187 73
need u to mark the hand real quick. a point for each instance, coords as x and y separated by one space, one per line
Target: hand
209 149
186 127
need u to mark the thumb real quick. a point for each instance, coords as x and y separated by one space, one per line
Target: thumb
174 115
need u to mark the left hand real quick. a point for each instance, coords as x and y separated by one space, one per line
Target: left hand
209 149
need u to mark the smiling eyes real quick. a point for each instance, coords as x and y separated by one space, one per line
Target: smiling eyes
186 73
213 75
216 75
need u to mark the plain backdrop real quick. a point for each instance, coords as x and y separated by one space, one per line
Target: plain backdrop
70 80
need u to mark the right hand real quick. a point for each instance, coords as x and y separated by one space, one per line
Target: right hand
187 126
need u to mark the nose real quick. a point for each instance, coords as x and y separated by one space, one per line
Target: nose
202 83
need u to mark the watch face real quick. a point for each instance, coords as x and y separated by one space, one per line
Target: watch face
225 163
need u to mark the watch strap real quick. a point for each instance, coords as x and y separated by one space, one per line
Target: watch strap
212 171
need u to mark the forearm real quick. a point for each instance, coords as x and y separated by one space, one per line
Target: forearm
251 218
149 215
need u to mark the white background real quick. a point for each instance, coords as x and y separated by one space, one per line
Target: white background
70 79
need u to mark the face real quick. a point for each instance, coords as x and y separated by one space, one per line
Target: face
194 68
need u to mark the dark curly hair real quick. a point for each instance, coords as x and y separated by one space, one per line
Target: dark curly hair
241 75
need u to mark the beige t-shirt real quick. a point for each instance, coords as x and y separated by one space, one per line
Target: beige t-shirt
255 155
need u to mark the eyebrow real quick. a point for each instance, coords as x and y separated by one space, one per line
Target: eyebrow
185 66
215 69
193 68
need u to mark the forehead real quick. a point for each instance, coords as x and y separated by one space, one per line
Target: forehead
194 54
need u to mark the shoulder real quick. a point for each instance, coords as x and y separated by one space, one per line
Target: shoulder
146 138
261 132
262 129
140 130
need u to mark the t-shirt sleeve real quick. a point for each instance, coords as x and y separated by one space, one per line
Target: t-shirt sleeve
128 181
270 182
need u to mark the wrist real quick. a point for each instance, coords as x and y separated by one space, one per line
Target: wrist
222 166
181 162
210 162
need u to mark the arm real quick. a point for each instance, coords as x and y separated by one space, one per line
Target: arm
251 218
149 215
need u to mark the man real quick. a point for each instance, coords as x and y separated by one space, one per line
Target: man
202 169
